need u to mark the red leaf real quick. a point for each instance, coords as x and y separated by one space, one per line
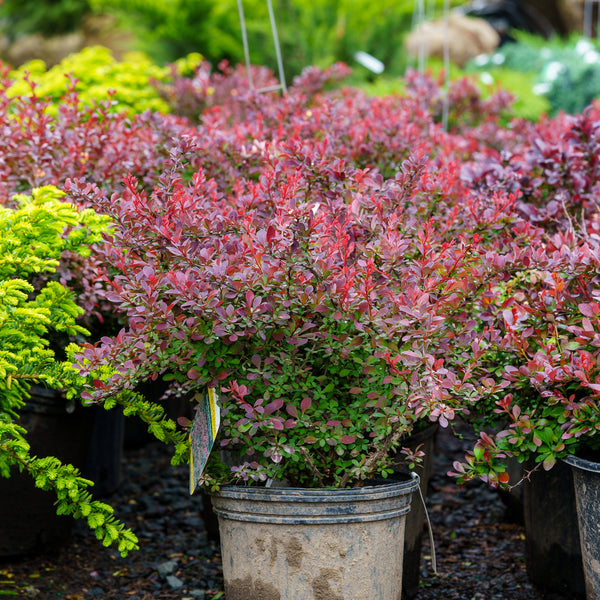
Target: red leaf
193 374
503 477
586 309
305 404
348 439
277 424
411 358
273 406
587 324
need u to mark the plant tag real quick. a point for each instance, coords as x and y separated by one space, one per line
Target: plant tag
202 435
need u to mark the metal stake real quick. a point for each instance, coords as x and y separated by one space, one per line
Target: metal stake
421 20
420 10
446 105
282 86
588 15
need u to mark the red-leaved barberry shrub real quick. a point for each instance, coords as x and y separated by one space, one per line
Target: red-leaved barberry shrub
320 314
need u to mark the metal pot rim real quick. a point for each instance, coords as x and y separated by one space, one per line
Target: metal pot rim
582 463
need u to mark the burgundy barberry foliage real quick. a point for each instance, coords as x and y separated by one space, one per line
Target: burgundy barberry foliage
337 266
323 317
555 169
43 148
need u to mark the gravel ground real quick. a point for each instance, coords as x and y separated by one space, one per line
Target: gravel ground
480 555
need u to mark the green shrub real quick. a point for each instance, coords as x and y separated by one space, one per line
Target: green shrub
563 73
33 237
169 29
319 32
49 17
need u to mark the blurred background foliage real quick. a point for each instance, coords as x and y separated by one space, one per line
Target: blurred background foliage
48 17
312 32
544 75
563 72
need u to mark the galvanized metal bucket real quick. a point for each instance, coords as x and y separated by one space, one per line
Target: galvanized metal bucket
586 479
310 544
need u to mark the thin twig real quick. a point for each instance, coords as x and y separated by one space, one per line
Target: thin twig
312 466
378 455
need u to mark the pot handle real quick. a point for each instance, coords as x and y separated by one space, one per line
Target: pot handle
429 527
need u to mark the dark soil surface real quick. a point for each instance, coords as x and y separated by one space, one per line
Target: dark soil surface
480 554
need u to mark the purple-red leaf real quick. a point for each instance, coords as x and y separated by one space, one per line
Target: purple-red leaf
348 439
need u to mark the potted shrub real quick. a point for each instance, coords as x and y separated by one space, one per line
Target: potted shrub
545 318
547 279
322 324
34 236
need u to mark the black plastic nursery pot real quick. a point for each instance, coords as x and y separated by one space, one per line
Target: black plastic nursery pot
552 552
415 520
310 544
105 452
586 479
28 520
89 438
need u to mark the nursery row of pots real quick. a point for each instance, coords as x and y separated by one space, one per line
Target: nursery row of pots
340 270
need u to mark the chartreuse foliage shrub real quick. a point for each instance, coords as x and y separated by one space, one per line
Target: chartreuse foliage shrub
33 237
320 32
127 83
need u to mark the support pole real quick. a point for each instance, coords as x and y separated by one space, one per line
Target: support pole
446 105
282 85
588 18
